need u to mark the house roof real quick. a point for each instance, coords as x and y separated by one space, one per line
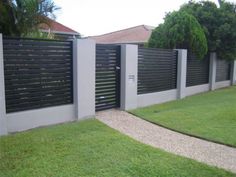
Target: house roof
137 34
58 28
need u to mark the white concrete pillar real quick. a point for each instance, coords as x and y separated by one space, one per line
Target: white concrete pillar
129 77
84 77
233 73
3 119
181 73
212 74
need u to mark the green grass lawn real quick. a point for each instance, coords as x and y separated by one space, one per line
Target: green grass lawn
209 115
89 148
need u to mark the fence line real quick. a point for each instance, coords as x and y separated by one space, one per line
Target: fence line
197 70
37 73
222 70
157 70
40 87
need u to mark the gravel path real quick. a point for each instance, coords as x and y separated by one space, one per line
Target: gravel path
156 136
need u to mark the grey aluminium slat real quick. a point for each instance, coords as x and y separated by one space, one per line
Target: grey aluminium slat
222 70
38 73
197 70
157 70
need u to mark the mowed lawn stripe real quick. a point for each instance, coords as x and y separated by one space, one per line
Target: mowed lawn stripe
89 148
211 115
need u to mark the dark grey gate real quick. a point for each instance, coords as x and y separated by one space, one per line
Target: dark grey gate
107 76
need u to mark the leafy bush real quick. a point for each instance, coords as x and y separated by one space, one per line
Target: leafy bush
180 30
219 25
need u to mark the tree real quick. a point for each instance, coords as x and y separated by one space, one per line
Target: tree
7 21
220 2
207 14
219 25
226 31
23 17
180 30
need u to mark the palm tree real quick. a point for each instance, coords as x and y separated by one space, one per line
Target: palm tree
7 24
22 17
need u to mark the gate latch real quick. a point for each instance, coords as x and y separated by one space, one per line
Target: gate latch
117 67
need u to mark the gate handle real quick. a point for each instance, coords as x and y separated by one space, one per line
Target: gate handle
117 67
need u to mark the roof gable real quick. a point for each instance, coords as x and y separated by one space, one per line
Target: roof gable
57 27
137 34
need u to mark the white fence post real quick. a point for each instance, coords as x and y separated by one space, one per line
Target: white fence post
212 75
84 77
129 77
3 119
233 73
181 73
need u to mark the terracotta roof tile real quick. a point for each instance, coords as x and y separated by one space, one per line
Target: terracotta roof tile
137 34
57 27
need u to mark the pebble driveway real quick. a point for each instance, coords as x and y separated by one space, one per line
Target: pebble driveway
170 141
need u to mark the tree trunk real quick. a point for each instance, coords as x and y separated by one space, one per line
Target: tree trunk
220 2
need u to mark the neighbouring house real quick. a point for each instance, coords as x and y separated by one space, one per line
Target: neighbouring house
60 31
134 35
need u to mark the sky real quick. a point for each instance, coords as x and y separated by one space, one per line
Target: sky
96 17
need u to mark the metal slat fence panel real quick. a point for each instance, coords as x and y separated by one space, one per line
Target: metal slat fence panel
157 70
38 73
222 70
107 76
197 70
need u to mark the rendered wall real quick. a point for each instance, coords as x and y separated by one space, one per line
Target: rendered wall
182 91
84 95
129 74
197 89
84 57
84 77
156 98
3 119
25 120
